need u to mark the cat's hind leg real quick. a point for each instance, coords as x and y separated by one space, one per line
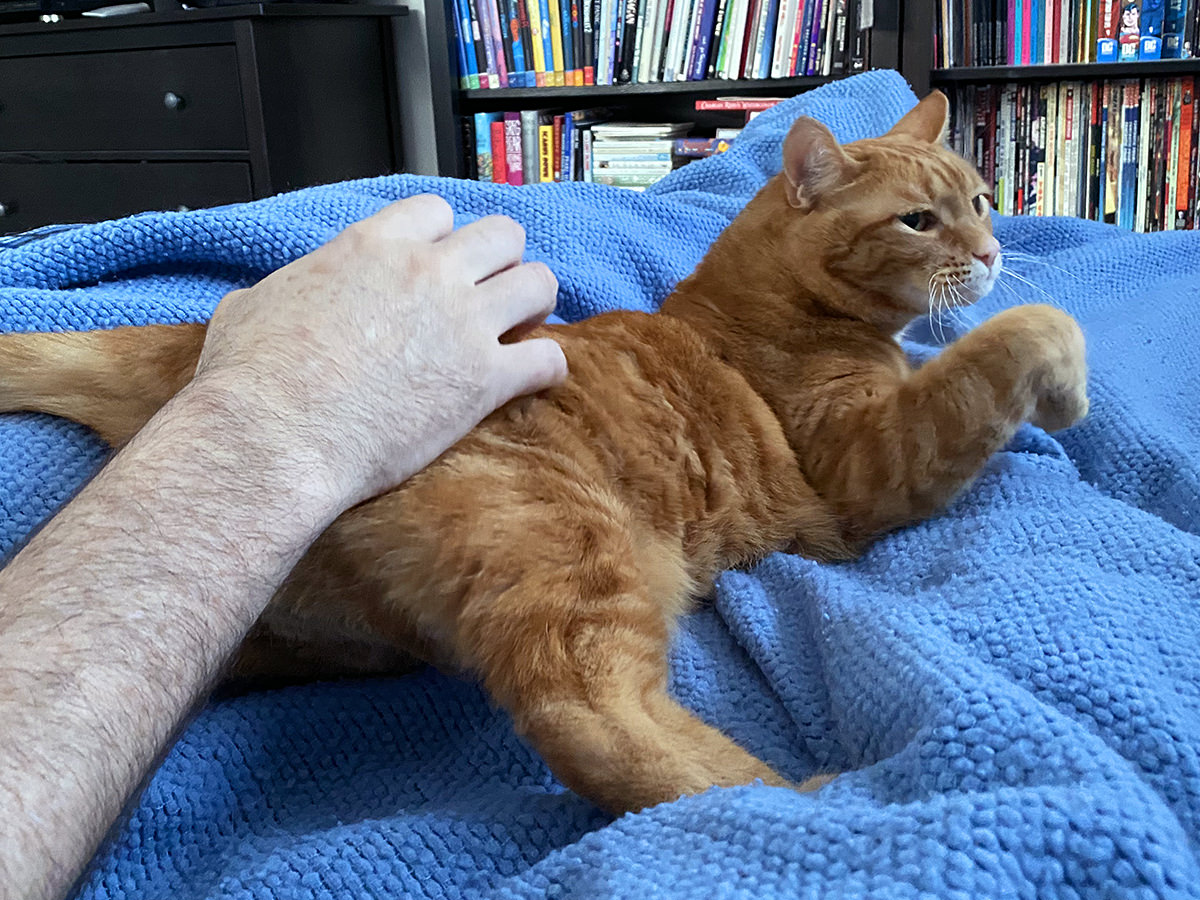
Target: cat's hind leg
112 381
577 653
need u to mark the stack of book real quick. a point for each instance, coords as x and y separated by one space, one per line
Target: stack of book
634 155
549 43
537 146
1032 32
1123 152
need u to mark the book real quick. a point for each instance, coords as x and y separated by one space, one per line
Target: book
530 120
483 144
499 163
512 148
515 46
699 148
557 77
465 47
1174 18
545 153
1108 27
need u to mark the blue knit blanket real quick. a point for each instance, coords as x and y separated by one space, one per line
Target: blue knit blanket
1012 688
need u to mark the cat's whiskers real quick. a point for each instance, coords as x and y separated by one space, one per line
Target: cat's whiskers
1027 258
1021 278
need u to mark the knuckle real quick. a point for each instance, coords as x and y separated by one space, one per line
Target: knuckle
430 206
541 278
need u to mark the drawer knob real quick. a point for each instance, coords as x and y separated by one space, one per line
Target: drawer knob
172 100
8 209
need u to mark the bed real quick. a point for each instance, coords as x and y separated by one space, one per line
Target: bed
1012 688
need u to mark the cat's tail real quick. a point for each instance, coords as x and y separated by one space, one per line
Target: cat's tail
111 381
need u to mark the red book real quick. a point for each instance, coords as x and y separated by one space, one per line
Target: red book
1056 34
557 150
750 104
499 168
1026 31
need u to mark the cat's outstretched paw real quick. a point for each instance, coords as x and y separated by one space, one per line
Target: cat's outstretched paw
1062 394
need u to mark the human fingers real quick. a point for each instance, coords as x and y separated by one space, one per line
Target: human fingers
423 217
522 295
529 366
486 246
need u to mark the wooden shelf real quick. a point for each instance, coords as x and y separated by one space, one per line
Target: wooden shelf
482 99
1162 68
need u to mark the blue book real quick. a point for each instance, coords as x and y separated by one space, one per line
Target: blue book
568 145
1037 34
1173 23
466 47
483 144
1126 213
519 76
1150 45
702 35
764 61
1018 32
543 13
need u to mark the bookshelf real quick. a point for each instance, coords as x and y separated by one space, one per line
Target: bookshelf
1065 134
638 102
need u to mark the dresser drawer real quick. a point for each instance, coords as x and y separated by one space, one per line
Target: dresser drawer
36 194
182 98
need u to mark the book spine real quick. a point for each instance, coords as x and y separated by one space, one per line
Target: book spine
662 30
512 149
463 46
687 26
483 145
603 70
1142 150
481 79
499 157
545 153
525 23
783 34
586 141
487 72
1183 156
590 9
703 39
1171 189
825 53
578 7
692 39
529 146
498 28
811 36
616 27
647 11
537 15
1173 20
710 70
556 77
556 147
568 143
516 47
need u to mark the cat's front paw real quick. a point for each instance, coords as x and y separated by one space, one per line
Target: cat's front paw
1061 388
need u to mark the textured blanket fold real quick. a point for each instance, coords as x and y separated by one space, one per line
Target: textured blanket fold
1013 688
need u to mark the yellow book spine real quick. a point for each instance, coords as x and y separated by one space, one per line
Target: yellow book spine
556 43
539 56
545 153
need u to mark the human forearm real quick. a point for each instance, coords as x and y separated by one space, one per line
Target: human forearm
154 602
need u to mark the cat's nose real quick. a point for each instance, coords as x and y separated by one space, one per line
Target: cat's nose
988 254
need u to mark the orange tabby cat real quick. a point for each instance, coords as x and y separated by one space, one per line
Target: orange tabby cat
768 405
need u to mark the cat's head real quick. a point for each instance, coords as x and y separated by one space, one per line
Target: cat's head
899 218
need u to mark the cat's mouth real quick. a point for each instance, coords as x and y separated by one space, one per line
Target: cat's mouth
963 285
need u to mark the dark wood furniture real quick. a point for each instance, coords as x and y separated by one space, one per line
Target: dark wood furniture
104 117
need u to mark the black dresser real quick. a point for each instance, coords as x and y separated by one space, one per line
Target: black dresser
100 118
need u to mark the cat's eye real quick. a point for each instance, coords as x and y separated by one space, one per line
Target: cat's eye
922 220
982 203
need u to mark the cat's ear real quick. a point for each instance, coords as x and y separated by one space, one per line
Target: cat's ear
813 162
927 121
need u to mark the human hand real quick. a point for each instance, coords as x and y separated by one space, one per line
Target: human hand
382 348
